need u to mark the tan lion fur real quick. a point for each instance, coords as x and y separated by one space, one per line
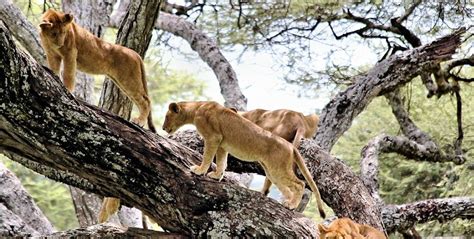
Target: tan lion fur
65 41
224 131
288 124
109 207
345 228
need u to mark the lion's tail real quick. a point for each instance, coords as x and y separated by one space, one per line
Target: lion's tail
307 175
151 126
109 207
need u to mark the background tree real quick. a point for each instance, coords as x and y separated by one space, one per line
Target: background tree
286 27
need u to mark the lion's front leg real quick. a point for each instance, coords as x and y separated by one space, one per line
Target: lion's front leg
221 161
54 62
210 149
69 72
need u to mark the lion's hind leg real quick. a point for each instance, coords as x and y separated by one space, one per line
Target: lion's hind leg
144 108
290 186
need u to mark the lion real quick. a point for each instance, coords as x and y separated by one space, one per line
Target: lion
224 131
65 41
345 228
288 124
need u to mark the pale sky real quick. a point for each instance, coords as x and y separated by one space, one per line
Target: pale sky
259 77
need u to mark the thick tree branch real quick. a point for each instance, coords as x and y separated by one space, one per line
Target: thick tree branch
112 231
18 212
404 217
340 188
204 46
384 77
209 53
22 29
45 124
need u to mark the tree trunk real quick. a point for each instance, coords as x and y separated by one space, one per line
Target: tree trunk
19 214
384 77
135 33
120 159
207 49
93 16
22 29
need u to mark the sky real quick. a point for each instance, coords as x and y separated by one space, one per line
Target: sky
260 80
259 77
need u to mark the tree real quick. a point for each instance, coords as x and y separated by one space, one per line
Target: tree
197 214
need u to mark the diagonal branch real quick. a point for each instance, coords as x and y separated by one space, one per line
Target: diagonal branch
209 53
204 46
340 188
404 217
384 77
47 125
18 212
23 30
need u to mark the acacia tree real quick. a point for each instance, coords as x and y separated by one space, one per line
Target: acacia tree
194 212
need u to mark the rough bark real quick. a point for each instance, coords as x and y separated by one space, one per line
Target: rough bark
135 32
25 32
93 15
340 188
384 77
11 225
122 160
209 53
111 231
404 217
206 48
18 212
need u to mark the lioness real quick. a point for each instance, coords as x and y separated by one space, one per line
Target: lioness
65 41
344 228
288 124
224 131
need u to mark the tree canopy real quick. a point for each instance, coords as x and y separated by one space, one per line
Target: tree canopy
393 145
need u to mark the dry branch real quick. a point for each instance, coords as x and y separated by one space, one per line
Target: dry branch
19 214
42 122
206 48
384 77
404 217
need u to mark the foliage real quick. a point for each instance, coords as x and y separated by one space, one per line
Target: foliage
320 42
403 180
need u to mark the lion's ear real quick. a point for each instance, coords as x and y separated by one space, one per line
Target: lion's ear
174 107
45 25
233 109
68 18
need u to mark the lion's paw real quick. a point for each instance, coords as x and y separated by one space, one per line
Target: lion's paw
197 170
216 175
288 204
138 121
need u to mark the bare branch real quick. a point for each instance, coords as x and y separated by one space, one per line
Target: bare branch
384 77
409 11
403 217
18 212
210 53
22 29
122 160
